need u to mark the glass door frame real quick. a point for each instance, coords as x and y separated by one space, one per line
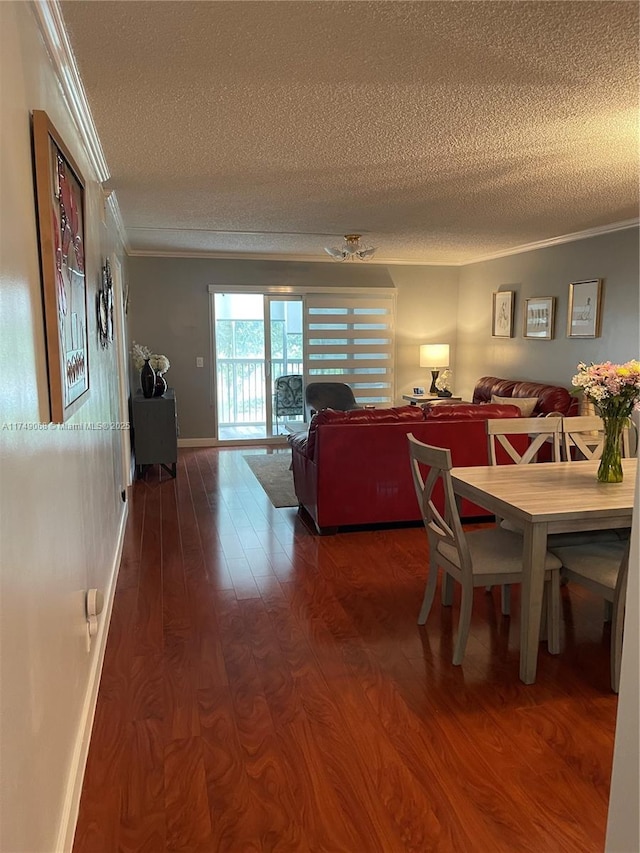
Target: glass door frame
269 300
269 294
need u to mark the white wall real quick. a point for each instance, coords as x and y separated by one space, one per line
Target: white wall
623 823
426 313
61 509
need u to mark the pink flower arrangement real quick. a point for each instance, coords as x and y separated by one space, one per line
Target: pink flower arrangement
613 388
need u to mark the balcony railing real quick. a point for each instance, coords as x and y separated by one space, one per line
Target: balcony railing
242 389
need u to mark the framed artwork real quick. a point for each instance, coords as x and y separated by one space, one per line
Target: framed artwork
502 319
585 304
104 306
539 313
60 204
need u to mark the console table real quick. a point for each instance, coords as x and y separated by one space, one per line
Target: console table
414 399
155 432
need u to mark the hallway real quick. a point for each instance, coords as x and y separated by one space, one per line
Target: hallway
266 689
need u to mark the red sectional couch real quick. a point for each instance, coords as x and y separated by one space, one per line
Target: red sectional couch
353 467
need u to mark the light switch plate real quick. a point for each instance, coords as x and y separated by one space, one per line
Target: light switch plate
199 361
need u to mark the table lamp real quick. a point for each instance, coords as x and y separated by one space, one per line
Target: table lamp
434 356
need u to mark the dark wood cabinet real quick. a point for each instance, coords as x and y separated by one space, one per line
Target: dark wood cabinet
155 431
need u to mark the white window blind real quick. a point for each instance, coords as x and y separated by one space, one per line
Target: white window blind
350 338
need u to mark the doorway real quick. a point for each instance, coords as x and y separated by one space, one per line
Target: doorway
257 339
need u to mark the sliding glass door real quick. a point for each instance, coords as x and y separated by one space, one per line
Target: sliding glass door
257 339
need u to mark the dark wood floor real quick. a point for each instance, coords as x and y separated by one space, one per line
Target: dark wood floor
266 689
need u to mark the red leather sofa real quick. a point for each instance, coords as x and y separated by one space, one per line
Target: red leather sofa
551 398
352 468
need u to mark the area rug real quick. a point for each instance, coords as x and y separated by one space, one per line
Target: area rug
272 472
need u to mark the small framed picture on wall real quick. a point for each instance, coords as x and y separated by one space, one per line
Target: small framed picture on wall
585 308
539 314
502 317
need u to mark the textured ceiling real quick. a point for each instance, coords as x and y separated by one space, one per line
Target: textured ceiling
442 131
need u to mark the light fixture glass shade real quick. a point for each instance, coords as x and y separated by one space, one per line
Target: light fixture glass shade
434 355
350 249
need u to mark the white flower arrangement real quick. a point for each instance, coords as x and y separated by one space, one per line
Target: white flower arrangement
140 354
160 363
443 382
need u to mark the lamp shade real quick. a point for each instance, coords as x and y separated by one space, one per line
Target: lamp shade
434 355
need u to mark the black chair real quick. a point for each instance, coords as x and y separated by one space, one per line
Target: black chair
330 395
287 396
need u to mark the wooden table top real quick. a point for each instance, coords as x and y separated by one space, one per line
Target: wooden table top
548 491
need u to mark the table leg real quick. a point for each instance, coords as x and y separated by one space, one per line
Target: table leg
535 548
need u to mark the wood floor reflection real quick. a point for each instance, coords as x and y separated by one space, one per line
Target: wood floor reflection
267 689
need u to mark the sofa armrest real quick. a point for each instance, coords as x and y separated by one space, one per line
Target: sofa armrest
299 441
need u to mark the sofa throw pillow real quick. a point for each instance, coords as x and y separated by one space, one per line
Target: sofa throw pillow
525 404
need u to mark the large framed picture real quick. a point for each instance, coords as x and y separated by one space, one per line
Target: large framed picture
60 202
585 304
502 318
539 313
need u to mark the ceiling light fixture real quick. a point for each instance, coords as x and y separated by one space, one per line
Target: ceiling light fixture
350 249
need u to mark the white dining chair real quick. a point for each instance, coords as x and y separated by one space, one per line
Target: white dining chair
583 438
602 567
539 431
490 556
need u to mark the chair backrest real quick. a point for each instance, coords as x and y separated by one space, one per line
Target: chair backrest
586 434
288 398
330 395
440 528
538 430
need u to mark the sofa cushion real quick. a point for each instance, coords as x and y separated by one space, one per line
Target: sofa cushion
525 404
551 398
467 411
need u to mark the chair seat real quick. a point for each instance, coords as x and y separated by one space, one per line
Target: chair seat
597 562
602 567
495 552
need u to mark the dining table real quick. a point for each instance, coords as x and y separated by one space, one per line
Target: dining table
544 498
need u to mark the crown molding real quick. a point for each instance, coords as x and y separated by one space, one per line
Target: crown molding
51 25
114 208
315 259
557 241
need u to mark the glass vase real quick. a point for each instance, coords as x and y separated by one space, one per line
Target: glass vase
610 469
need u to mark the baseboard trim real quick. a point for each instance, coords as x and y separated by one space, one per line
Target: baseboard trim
237 442
198 442
75 779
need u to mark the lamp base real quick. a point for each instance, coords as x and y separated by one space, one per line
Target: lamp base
434 376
